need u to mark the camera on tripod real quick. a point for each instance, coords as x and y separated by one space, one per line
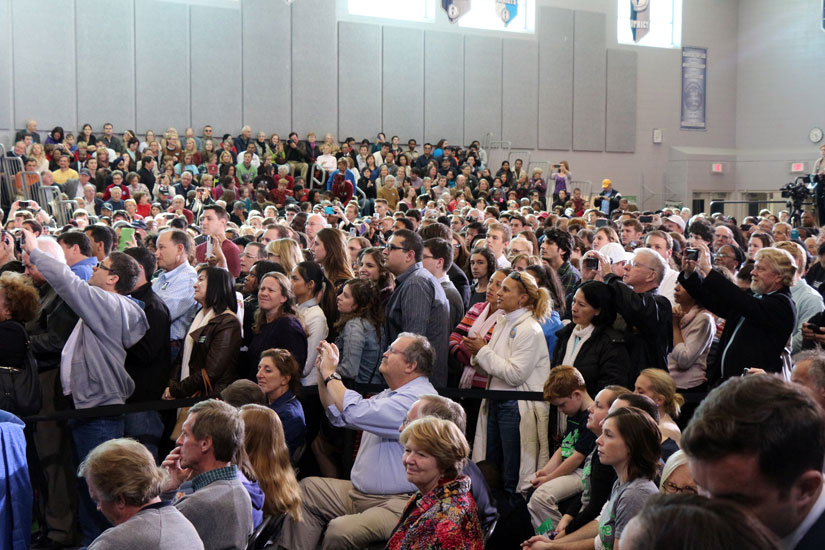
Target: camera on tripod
800 190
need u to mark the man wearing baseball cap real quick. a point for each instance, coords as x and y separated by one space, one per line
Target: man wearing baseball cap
608 199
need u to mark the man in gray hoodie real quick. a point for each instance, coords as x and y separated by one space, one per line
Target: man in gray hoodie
92 362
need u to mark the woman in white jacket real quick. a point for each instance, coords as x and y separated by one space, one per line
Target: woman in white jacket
513 434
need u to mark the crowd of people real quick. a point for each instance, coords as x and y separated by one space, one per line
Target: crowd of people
677 354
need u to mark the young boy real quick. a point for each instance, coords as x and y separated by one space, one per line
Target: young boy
561 477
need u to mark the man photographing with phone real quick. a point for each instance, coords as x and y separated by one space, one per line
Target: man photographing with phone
213 224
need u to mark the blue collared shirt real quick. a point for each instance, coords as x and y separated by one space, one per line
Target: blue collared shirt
84 268
176 289
378 469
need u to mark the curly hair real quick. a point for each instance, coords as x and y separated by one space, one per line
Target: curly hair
21 298
366 295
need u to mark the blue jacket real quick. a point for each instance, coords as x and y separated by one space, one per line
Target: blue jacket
15 489
550 326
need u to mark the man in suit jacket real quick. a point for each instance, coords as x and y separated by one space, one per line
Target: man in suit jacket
760 442
758 323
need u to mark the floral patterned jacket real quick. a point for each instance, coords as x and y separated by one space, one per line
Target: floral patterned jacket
444 519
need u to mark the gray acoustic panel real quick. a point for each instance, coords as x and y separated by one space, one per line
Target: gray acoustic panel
6 107
217 81
589 81
620 119
51 100
520 93
108 25
482 87
554 28
359 80
162 66
267 94
314 67
403 83
443 87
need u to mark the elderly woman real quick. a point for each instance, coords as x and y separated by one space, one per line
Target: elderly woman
125 483
442 514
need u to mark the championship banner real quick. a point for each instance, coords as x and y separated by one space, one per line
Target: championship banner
455 8
639 18
506 10
694 87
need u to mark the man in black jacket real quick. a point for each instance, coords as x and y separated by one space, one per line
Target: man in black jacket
648 317
758 323
149 361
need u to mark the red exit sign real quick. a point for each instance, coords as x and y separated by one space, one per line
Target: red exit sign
716 167
797 167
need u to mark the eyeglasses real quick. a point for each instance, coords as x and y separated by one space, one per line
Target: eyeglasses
634 263
672 488
392 247
109 269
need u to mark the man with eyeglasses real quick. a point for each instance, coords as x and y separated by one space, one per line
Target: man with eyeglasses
364 510
315 223
92 368
418 304
648 316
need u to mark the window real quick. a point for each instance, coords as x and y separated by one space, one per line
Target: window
404 10
491 14
517 16
657 23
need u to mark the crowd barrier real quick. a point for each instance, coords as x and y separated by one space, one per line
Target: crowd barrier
364 389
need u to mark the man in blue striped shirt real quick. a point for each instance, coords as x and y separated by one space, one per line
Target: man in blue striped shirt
175 285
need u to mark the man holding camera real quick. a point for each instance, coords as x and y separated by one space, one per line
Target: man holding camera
758 323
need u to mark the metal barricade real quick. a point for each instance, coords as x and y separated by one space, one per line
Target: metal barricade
360 198
9 168
63 211
315 183
497 152
587 188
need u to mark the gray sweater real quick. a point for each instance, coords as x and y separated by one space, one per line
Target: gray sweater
111 324
221 512
158 527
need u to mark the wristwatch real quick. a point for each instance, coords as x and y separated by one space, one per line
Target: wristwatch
333 376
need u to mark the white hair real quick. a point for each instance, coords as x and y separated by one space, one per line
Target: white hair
50 247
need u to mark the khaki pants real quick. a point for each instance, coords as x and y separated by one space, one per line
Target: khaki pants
544 504
352 519
301 167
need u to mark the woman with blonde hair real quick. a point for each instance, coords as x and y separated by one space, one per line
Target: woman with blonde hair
330 251
38 154
658 385
265 444
442 514
191 147
514 434
285 252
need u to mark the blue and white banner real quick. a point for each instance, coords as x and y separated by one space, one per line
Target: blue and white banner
639 18
694 87
455 8
507 10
